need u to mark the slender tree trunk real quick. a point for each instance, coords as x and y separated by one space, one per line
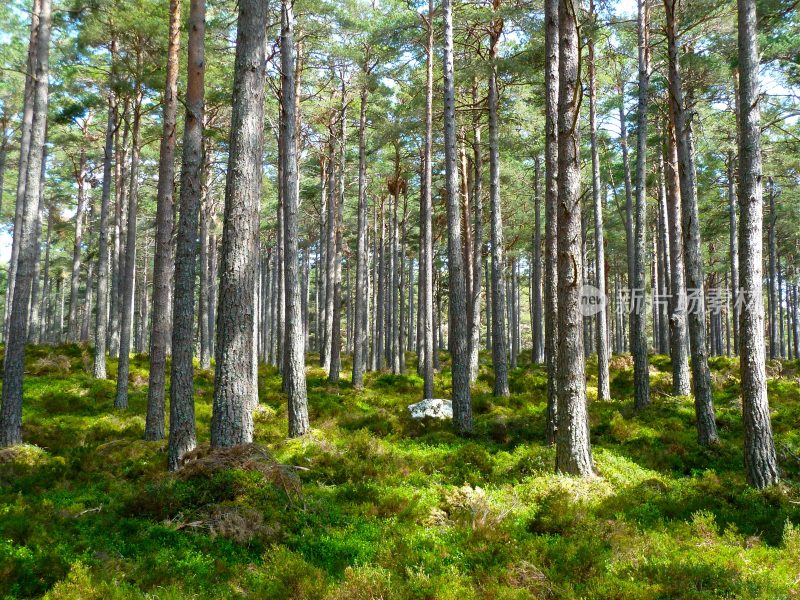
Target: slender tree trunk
101 317
679 348
499 349
33 307
704 409
459 343
118 257
338 227
44 324
294 372
573 449
14 357
537 324
182 437
551 8
361 297
603 386
773 272
426 220
477 240
77 246
26 127
128 276
164 262
641 367
760 462
734 248
234 390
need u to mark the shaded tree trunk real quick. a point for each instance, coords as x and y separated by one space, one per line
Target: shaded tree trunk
704 409
182 437
551 8
129 274
164 262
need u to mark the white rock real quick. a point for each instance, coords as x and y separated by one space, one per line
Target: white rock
435 408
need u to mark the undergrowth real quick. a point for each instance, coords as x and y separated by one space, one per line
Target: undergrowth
374 505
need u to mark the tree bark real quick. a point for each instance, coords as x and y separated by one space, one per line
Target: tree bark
129 274
551 9
499 349
182 438
603 386
641 367
704 408
760 462
14 357
679 349
459 343
573 449
234 390
294 372
164 261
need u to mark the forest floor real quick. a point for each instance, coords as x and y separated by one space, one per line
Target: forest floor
374 505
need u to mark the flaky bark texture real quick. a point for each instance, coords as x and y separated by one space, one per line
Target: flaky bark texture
164 261
459 342
14 358
551 214
182 437
294 377
234 390
573 450
703 400
760 462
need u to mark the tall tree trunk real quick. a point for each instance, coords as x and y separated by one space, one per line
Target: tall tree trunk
14 358
26 127
537 324
459 342
118 256
361 295
182 436
77 246
603 386
33 307
679 348
101 317
477 240
426 220
336 325
47 282
294 373
760 462
234 390
703 401
734 248
129 274
499 349
773 272
641 367
551 8
573 449
164 262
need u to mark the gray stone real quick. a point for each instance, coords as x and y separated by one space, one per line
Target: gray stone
434 408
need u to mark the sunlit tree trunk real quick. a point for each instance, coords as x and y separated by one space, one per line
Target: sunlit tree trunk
234 390
14 357
573 449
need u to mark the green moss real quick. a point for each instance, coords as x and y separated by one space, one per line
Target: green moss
394 508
